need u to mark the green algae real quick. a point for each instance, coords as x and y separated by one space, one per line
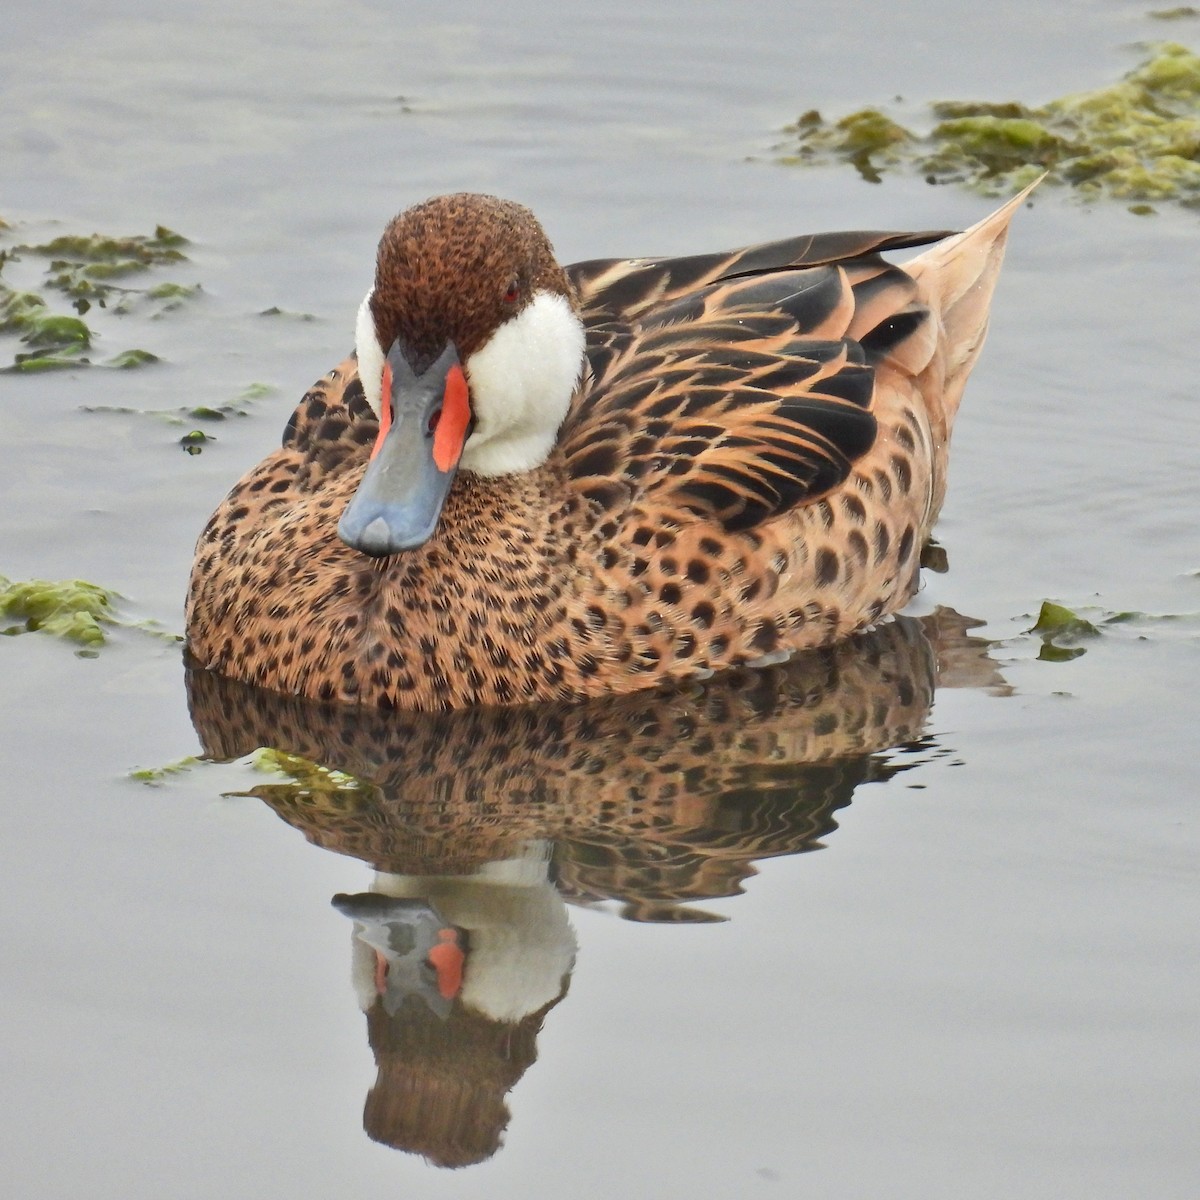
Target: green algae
157 776
129 359
195 440
162 246
163 297
1066 633
287 314
288 781
54 339
1057 620
95 271
53 330
308 783
239 406
1137 140
1061 629
72 609
18 309
82 267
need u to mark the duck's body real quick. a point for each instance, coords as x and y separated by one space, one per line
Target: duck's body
750 465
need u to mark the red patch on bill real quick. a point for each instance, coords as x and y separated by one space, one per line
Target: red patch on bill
452 425
448 957
385 409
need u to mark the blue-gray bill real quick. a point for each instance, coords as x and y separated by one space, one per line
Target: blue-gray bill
399 501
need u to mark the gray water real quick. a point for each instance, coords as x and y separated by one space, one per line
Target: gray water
985 984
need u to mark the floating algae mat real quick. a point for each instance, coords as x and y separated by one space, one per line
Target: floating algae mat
298 786
87 272
309 785
72 609
1137 140
1066 632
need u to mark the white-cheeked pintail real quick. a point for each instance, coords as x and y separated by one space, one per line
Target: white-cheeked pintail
534 482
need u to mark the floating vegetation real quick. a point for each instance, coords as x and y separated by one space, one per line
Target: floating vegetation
1137 140
194 441
157 776
309 784
1174 14
55 340
1064 631
239 406
86 270
1061 630
294 782
83 267
72 609
156 301
131 358
287 314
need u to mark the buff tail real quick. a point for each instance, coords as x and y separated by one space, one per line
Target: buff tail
956 278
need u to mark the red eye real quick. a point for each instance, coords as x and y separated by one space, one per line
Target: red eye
513 294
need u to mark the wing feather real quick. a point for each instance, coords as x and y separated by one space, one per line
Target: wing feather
624 289
733 388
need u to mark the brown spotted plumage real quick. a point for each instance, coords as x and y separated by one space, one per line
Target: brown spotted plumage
750 464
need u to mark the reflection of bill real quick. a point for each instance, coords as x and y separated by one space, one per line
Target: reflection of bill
657 802
403 949
456 974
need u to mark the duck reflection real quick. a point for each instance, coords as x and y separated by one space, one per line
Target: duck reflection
455 975
482 824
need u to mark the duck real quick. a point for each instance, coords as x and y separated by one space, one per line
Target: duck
535 483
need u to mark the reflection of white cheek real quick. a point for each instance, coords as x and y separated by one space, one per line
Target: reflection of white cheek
522 948
521 382
362 971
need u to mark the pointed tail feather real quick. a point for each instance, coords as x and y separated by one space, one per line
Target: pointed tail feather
956 279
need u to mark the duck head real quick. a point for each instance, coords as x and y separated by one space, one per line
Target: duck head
470 346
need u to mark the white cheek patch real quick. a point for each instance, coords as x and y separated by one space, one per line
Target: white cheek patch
370 355
522 380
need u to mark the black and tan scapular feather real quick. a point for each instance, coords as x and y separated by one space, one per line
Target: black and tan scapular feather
750 465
